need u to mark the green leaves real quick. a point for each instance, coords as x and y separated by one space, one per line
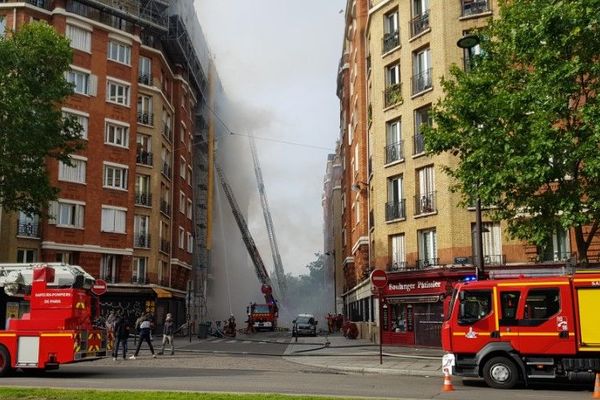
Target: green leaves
32 129
524 122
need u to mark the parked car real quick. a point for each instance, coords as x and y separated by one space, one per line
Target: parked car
304 324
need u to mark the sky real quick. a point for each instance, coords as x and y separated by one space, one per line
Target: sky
278 59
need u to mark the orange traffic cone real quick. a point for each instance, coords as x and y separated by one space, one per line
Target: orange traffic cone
597 387
448 382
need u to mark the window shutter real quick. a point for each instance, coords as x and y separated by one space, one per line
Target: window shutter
52 212
79 216
93 85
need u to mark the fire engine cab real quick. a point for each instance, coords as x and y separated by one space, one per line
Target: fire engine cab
511 330
48 312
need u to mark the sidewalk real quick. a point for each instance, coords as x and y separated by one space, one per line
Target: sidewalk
362 356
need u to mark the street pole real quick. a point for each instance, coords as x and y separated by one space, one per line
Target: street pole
380 292
479 234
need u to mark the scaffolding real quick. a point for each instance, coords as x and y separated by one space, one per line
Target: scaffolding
147 13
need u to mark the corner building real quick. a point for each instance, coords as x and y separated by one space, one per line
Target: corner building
126 209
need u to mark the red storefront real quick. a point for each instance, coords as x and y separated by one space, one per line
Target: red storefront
414 303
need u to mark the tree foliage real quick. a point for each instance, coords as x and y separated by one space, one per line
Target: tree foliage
524 122
308 293
33 61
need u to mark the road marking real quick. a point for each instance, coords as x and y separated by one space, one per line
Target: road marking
281 340
262 342
231 341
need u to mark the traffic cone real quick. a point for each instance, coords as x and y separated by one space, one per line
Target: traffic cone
597 387
448 382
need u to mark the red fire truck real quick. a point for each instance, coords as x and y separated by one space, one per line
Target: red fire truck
512 330
264 316
48 317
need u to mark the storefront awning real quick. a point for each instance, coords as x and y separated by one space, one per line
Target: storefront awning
162 293
412 299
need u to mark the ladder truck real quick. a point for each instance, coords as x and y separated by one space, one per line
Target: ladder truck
263 315
279 272
54 322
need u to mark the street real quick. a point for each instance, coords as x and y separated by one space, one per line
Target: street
199 369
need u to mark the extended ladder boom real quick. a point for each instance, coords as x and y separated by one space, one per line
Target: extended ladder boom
279 272
259 266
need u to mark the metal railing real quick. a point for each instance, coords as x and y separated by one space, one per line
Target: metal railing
143 199
393 95
418 144
395 210
140 280
145 79
419 24
390 41
144 158
428 262
166 170
398 266
494 259
28 229
145 118
142 240
556 256
108 277
421 81
165 246
167 131
165 207
473 7
394 152
45 4
425 203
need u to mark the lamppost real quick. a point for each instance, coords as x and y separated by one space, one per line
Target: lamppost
468 42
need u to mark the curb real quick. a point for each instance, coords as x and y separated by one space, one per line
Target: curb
370 370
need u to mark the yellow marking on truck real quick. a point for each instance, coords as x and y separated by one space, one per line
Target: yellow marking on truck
589 348
519 284
496 321
589 318
8 334
56 335
586 280
541 333
465 332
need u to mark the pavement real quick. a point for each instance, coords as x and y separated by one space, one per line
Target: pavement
362 356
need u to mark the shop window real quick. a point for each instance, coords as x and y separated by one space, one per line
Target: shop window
541 304
474 306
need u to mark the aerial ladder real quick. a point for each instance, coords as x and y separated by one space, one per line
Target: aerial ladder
279 272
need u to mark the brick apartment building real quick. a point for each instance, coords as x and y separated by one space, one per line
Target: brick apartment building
133 209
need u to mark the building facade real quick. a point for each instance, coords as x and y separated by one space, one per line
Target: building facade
127 210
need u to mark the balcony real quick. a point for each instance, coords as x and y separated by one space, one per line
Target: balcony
165 207
142 240
138 280
391 41
145 118
394 152
145 79
143 199
427 262
425 203
421 81
392 95
166 170
28 229
419 24
474 7
418 144
45 4
165 246
144 158
395 210
398 266
167 132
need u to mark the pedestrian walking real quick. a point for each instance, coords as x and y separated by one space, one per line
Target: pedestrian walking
121 336
168 330
145 329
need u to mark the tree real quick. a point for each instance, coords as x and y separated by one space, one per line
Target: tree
524 122
33 62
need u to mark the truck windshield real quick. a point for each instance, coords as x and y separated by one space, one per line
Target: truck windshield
261 308
474 305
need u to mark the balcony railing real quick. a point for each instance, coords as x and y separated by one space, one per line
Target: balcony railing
421 81
419 24
145 118
142 240
144 158
391 41
556 256
474 7
427 262
37 3
166 170
167 132
398 266
143 199
139 280
165 246
425 203
393 95
165 207
494 259
28 229
394 152
107 277
145 79
418 144
395 210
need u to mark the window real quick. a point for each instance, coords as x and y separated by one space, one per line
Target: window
165 157
81 39
139 270
108 268
80 80
2 25
119 52
394 149
83 120
559 248
144 110
182 202
188 178
26 255
492 243
398 255
425 198
541 304
392 74
394 208
145 71
474 306
509 304
76 173
190 242
189 208
117 93
182 135
141 225
422 119
67 214
391 36
421 71
427 248
116 134
393 88
28 225
115 177
420 20
65 257
181 238
182 167
113 219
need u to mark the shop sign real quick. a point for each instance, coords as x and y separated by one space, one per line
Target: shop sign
415 287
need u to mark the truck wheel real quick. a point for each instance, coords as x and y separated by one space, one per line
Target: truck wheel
500 373
5 367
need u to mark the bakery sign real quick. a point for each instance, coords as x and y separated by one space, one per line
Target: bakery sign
415 287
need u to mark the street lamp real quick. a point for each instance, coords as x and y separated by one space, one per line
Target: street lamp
467 42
